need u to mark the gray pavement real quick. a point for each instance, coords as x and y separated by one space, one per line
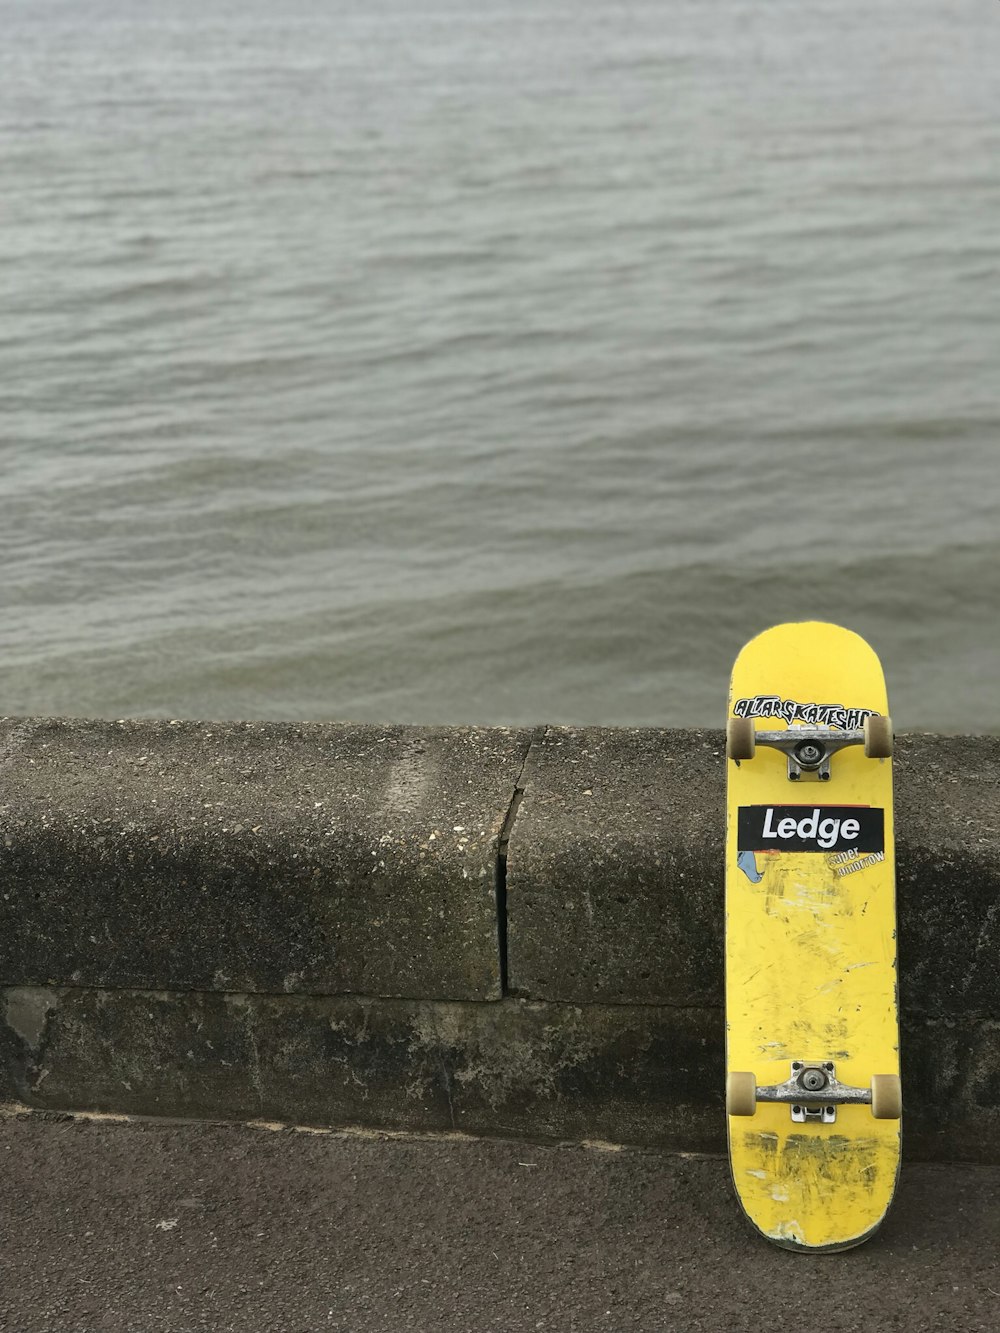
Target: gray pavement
155 1227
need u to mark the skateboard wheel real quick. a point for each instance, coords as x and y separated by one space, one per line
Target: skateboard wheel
740 740
878 737
887 1097
741 1094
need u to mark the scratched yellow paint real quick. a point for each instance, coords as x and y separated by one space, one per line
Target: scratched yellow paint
811 959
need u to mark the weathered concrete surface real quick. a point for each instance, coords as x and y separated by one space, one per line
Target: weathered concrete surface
615 868
615 874
253 856
948 874
633 1074
951 1089
313 924
117 1228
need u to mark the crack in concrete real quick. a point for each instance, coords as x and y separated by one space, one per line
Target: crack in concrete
446 1080
503 844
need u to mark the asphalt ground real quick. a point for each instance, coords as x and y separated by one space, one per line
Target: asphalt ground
157 1227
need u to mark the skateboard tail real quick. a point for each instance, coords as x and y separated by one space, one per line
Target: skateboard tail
815 1192
791 1240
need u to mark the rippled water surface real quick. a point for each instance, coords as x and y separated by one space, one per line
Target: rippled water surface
495 360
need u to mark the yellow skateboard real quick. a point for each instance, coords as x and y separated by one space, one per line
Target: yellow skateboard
812 1039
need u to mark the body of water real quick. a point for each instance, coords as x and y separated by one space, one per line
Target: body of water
494 360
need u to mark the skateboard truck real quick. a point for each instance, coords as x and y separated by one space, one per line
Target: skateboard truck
814 1092
808 749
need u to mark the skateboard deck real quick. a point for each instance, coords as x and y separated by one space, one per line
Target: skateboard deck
812 1044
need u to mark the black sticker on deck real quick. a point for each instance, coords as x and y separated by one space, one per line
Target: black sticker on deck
810 828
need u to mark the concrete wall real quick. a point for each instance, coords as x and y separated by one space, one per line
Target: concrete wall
491 930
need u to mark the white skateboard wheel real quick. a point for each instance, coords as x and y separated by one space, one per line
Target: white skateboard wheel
741 1093
878 737
887 1097
740 741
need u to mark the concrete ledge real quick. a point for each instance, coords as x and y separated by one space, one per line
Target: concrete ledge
615 877
636 1074
254 857
475 929
632 1074
615 881
948 875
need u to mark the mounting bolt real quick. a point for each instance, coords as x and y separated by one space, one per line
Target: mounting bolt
809 755
813 1080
